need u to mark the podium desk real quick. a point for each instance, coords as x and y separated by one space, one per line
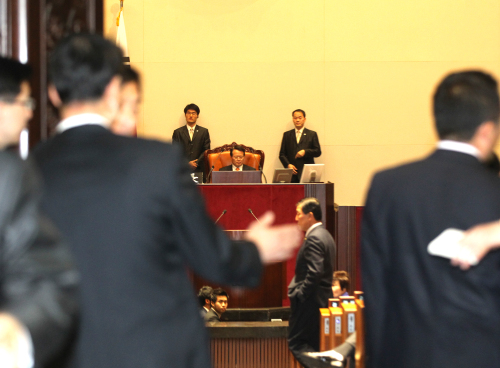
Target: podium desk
249 344
236 199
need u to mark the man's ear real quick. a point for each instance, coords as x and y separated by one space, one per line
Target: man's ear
485 138
112 94
54 96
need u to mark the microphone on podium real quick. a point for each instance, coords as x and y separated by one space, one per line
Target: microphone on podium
262 172
222 214
250 210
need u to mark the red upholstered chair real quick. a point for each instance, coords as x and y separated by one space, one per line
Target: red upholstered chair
220 157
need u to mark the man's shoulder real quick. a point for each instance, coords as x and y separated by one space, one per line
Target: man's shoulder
248 168
226 168
321 233
201 129
211 316
178 130
309 131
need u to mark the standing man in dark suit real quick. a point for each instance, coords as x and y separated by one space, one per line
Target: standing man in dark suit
237 156
38 280
311 286
194 139
299 146
434 314
135 221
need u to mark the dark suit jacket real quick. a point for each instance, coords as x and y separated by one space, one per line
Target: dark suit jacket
195 149
310 288
211 316
289 148
230 168
38 283
434 314
128 206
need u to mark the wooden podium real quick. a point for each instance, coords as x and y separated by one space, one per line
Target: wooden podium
237 199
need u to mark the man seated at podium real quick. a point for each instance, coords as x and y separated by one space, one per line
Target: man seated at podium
237 156
219 305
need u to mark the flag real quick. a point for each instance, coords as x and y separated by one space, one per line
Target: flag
121 35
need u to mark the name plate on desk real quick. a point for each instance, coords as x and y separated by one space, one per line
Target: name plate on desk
251 177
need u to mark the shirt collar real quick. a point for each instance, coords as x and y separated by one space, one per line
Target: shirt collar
241 168
82 119
188 127
312 227
459 147
301 130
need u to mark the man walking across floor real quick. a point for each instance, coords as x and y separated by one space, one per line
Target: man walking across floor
434 314
311 286
135 221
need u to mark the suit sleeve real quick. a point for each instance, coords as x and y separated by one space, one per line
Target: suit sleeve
315 150
314 258
40 281
204 246
175 136
206 146
283 152
374 263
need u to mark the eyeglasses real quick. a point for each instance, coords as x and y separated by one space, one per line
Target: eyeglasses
29 103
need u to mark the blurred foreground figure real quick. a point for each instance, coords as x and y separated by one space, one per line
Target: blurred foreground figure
421 311
135 220
37 277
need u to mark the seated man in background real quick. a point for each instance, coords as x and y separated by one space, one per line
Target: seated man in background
126 120
38 282
219 305
205 297
237 156
340 284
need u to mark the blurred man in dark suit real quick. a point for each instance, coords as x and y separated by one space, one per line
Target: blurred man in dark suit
311 287
436 315
38 283
194 138
136 221
299 146
237 156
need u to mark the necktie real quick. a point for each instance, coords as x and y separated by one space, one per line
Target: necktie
237 169
298 136
191 133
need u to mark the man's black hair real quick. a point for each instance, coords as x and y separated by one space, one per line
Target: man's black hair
299 110
204 293
82 65
237 147
462 102
218 292
311 205
129 74
192 106
12 75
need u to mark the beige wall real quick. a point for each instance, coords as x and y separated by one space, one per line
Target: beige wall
363 71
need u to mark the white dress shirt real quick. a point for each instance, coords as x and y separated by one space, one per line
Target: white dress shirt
82 119
459 147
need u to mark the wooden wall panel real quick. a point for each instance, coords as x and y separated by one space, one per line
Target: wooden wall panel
347 237
48 22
